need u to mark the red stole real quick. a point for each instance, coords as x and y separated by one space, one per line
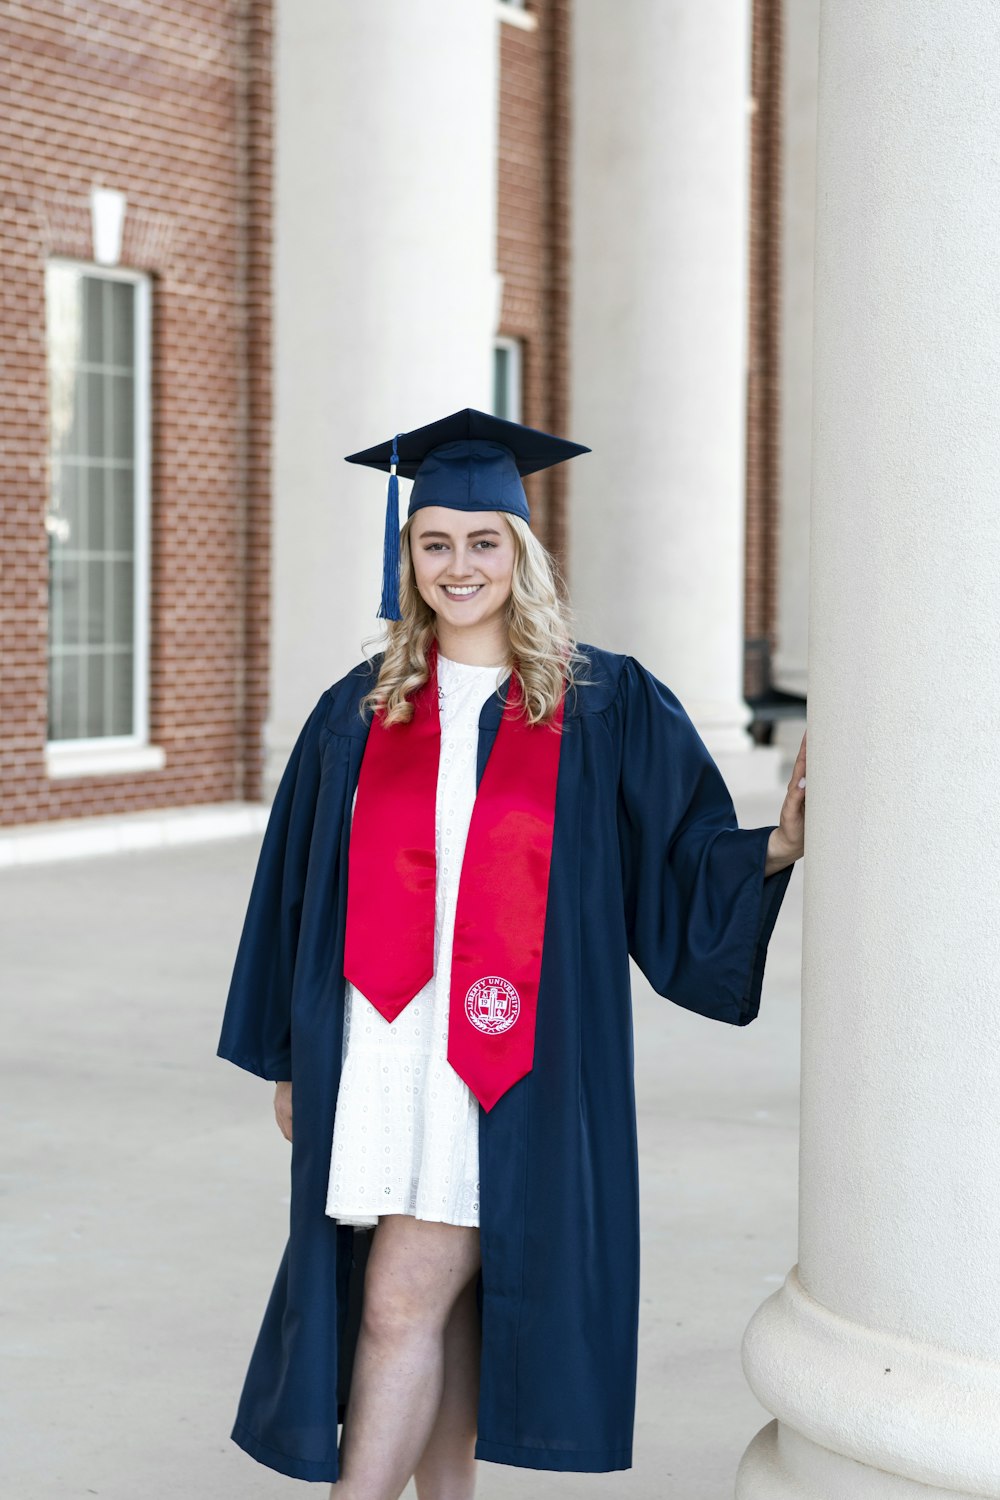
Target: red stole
502 894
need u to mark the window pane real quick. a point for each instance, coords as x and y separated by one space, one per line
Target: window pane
121 510
97 627
93 320
67 498
93 383
76 439
121 693
64 325
122 393
122 324
65 587
64 698
93 719
57 628
501 382
94 532
122 603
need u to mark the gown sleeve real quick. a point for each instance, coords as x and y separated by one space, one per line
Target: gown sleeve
699 910
256 1026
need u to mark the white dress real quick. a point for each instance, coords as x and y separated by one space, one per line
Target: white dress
406 1132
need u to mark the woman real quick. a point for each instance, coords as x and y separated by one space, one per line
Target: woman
473 833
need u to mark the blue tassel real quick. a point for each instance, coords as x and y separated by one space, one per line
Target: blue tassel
389 608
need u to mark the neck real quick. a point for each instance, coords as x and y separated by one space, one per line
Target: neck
485 645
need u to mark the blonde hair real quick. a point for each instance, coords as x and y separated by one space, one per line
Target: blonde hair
543 650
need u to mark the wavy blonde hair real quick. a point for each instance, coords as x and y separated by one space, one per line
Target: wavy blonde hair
543 650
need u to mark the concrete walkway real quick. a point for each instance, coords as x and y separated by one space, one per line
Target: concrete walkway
147 1198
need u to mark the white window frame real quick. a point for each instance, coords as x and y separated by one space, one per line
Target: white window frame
107 754
514 348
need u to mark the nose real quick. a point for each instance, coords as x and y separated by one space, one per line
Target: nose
461 571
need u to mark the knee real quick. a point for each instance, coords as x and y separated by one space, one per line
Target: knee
414 1274
396 1307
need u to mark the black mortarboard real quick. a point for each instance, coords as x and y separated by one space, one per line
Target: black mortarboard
468 461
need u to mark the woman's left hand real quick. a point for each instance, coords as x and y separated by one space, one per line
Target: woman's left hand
787 841
283 1108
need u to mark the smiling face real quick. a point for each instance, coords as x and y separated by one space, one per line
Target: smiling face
463 565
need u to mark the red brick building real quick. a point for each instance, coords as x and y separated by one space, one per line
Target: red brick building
136 412
135 406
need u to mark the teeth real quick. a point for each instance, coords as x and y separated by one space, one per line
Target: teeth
469 589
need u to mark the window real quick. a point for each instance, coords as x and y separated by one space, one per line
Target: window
97 323
507 379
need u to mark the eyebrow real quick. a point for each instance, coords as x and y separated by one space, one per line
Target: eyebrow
483 531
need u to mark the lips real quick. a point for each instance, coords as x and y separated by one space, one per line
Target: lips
465 592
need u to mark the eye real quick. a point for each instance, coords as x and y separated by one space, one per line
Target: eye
431 546
485 542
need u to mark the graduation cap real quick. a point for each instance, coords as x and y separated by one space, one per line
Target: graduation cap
468 461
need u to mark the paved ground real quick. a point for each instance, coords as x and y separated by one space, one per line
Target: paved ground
146 1196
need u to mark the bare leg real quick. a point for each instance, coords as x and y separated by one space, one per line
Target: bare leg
447 1469
416 1271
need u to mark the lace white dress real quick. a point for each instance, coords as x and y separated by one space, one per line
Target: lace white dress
406 1133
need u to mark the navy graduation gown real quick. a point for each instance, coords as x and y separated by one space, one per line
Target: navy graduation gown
647 860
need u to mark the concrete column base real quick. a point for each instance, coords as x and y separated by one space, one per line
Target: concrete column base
864 1412
780 1464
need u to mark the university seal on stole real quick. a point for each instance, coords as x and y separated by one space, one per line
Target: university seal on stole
492 1005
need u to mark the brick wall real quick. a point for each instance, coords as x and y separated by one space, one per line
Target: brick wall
171 104
533 235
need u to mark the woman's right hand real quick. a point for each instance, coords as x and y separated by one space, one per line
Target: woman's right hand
283 1108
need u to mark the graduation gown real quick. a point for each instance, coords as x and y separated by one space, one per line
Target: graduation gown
647 859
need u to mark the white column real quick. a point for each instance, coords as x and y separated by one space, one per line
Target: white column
660 206
799 62
880 1356
385 230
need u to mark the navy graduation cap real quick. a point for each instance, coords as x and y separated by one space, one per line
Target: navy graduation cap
468 461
